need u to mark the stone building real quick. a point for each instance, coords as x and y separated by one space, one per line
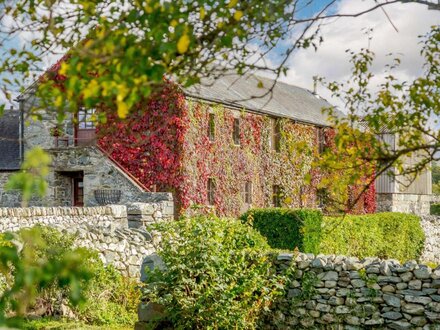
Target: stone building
226 145
406 194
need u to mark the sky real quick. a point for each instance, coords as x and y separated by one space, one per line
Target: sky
331 61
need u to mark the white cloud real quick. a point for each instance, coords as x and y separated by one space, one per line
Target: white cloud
332 62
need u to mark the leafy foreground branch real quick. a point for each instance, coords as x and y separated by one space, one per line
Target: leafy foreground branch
393 131
43 274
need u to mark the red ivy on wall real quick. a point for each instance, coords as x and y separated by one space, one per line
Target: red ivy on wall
148 143
164 143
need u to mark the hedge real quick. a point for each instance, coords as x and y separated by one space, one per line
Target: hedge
435 209
287 228
385 235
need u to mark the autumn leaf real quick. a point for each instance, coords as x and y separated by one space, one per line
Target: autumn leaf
183 44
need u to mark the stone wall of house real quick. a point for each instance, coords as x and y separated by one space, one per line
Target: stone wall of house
405 203
335 290
99 173
122 242
8 198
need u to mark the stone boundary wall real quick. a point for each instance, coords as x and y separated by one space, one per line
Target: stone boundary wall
102 228
105 217
431 227
336 292
125 249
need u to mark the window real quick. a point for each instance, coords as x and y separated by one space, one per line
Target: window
211 191
276 196
86 118
321 139
322 196
275 140
211 127
248 192
236 131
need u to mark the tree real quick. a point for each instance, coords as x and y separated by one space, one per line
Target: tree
117 52
407 110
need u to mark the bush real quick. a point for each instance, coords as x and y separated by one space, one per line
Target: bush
287 228
106 296
385 235
435 209
217 275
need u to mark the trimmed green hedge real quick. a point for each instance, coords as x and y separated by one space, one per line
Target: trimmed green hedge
435 209
287 228
385 235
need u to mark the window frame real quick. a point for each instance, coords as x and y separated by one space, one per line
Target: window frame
247 192
84 122
276 195
211 127
236 131
210 191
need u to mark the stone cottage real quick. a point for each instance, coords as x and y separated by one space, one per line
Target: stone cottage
224 145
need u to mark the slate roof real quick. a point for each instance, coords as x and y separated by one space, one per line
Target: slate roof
242 92
9 140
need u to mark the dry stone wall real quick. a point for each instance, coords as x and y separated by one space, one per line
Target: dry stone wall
107 229
431 227
336 292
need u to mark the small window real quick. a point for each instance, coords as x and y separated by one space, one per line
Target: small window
236 131
276 135
276 196
322 196
86 118
248 192
321 139
211 191
211 127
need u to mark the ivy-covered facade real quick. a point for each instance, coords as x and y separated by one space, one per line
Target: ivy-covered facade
218 157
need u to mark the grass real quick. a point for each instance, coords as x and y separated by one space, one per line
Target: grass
58 324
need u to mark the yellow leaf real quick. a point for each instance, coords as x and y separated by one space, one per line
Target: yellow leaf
63 69
92 89
202 13
183 44
122 109
58 101
232 3
238 14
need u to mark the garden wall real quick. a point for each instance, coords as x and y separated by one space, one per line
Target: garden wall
326 291
117 232
431 227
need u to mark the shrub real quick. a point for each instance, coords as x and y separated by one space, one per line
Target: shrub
217 275
106 296
435 209
385 235
287 228
110 298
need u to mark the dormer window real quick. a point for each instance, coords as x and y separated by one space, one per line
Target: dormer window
86 118
85 127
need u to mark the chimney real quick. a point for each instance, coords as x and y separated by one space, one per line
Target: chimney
315 85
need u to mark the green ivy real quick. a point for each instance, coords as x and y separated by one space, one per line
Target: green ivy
385 235
287 228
